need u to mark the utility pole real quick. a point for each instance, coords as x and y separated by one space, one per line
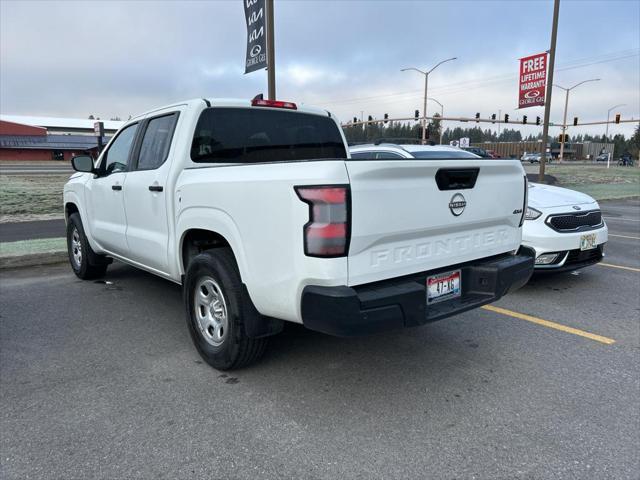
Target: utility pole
566 104
271 53
547 100
426 89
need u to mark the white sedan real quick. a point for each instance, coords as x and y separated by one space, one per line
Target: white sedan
564 227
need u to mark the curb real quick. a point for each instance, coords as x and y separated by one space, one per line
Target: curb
32 259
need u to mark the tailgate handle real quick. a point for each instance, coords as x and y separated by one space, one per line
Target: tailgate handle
456 178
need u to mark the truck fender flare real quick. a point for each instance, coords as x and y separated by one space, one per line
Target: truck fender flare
216 221
72 198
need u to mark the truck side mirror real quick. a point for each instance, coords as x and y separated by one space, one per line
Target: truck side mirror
82 163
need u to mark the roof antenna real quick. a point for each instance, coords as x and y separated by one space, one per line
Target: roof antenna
259 96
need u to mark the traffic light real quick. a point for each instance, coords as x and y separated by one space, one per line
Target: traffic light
617 118
370 119
537 120
493 117
563 138
417 114
477 117
575 121
355 120
524 119
506 118
386 118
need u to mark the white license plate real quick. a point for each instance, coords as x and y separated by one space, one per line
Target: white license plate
443 286
588 241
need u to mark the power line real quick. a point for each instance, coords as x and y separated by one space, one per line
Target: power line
451 88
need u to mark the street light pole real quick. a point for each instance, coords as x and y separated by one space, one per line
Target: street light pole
426 90
441 116
566 104
606 135
564 126
424 109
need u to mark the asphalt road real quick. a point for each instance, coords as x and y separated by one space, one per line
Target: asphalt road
35 169
102 381
12 232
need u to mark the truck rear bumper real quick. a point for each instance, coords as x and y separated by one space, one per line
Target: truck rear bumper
402 302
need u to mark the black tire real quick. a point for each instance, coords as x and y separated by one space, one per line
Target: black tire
215 272
88 264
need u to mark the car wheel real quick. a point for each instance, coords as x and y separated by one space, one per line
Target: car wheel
216 309
86 264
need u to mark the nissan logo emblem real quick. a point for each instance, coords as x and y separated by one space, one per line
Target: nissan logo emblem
457 204
575 207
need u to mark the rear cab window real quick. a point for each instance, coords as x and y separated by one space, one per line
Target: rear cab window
253 135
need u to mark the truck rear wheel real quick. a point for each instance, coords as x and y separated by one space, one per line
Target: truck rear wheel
86 264
216 309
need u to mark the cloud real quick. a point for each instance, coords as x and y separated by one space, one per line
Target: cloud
123 57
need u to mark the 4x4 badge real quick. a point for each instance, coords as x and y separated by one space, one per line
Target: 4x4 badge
457 204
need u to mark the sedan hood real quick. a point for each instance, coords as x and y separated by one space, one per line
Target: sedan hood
545 196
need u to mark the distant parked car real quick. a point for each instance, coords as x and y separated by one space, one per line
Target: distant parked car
531 157
493 154
534 158
564 227
481 152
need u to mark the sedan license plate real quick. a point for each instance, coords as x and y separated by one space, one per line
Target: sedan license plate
588 241
443 286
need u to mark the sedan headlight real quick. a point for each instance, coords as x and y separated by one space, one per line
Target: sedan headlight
532 214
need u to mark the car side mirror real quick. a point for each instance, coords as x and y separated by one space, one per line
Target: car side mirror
83 163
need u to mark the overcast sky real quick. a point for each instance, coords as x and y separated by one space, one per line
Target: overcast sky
121 58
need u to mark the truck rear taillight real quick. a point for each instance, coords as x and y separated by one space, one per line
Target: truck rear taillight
259 102
327 232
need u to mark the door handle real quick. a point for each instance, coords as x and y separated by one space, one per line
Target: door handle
116 187
155 188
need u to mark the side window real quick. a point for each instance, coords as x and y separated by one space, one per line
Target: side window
388 156
362 155
156 142
117 157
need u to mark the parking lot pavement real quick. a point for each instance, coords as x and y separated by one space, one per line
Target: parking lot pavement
100 380
623 220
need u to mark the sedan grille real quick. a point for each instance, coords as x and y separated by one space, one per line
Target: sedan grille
586 256
573 222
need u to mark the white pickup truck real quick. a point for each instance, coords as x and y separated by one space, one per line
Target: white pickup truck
258 211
